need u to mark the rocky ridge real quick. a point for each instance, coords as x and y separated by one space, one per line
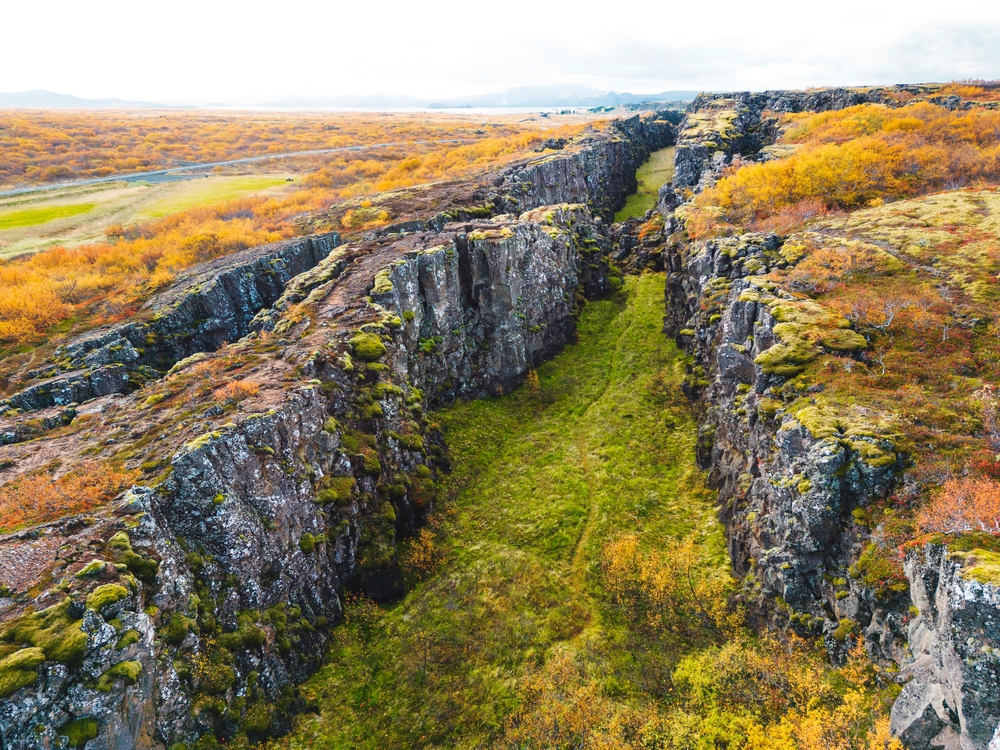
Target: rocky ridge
796 470
280 471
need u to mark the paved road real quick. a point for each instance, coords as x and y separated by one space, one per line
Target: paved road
139 176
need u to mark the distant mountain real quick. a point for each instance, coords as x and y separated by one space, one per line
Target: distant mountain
520 97
37 98
560 96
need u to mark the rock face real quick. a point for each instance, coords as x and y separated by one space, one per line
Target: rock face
187 610
795 472
789 475
600 177
205 308
953 698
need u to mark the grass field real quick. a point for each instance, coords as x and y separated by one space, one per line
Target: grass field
657 171
205 191
542 482
75 216
29 217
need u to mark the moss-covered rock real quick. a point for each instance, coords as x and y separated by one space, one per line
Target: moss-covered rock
367 347
19 670
106 595
79 731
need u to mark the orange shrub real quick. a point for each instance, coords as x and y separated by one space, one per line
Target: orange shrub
109 280
968 504
237 390
36 498
855 157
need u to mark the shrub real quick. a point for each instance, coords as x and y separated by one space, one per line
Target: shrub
962 505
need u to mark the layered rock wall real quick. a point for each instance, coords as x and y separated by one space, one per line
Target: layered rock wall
205 595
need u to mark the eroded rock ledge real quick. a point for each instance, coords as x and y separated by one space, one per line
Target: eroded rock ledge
281 470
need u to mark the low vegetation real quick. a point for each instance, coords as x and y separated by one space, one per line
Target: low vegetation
851 158
572 590
45 146
43 496
657 171
107 281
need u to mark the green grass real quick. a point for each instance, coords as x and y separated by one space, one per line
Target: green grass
541 483
30 217
657 171
203 192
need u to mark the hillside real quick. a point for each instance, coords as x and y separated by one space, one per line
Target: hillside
502 471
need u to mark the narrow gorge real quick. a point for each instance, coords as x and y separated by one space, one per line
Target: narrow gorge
509 473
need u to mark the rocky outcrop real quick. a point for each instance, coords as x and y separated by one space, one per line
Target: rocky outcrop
952 697
599 172
204 597
205 308
791 469
796 471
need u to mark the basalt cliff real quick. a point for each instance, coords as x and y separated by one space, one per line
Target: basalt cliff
797 474
272 406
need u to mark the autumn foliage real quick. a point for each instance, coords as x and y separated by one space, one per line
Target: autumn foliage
856 157
107 281
47 145
38 497
966 504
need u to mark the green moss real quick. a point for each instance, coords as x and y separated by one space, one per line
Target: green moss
52 630
247 634
153 400
408 316
128 638
336 490
844 628
804 486
768 407
786 359
367 347
985 567
105 595
93 568
880 573
79 731
215 679
119 542
371 411
307 543
128 671
331 426
258 719
383 284
19 670
372 466
177 629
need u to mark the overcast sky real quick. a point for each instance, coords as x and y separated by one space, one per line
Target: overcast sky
249 50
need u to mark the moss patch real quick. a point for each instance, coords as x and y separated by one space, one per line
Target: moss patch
367 347
19 670
106 595
52 630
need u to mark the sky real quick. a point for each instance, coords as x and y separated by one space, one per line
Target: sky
249 51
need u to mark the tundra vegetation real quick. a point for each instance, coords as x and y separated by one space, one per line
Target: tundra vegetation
66 288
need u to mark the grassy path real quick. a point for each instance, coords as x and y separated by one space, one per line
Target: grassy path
657 171
542 483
